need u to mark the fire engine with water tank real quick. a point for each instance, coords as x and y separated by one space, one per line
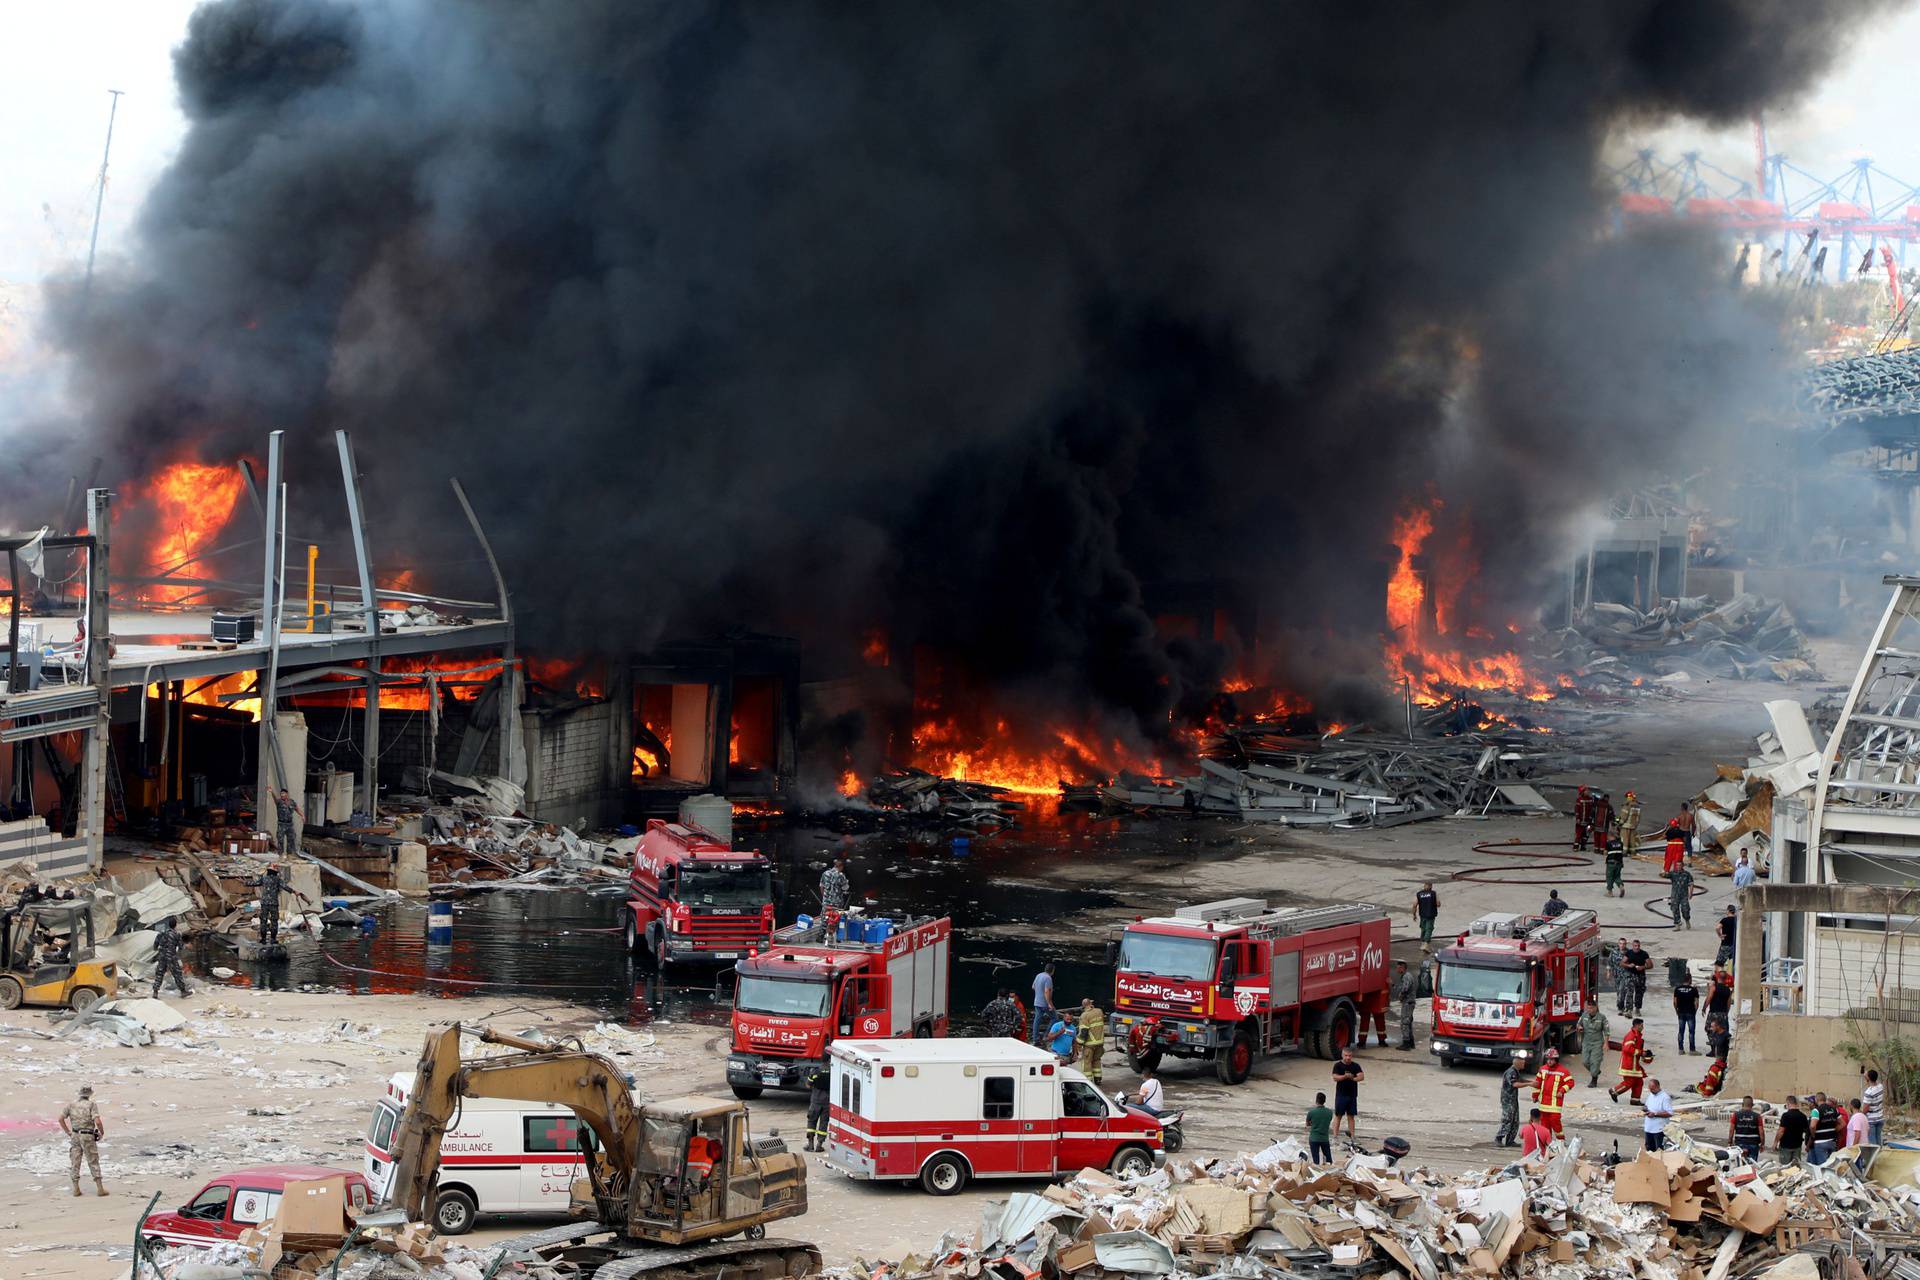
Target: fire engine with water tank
866 975
1231 979
691 897
1512 984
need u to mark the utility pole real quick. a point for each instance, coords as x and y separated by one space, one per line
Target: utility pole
100 197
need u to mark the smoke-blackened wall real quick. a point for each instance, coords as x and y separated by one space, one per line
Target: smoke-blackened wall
968 320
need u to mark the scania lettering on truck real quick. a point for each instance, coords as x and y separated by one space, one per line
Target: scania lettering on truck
1513 984
944 1112
871 976
693 898
499 1156
1234 979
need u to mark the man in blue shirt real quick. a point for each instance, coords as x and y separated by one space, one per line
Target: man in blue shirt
1043 1009
1743 873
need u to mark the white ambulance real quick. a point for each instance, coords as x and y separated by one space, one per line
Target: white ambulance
948 1111
498 1156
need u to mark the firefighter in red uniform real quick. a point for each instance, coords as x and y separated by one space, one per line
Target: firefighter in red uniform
1710 1083
1600 818
1582 816
1633 1063
1550 1088
1676 852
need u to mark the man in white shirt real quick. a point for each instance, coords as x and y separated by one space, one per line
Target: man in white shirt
1874 1096
1152 1095
1659 1107
1743 873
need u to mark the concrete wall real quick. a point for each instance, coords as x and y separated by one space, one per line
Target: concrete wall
1775 1054
572 756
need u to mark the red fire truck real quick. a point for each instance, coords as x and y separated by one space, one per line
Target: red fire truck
693 898
1231 979
874 976
1512 984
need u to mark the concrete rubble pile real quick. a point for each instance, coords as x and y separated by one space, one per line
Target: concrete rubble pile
1357 779
1734 815
1747 638
1678 1215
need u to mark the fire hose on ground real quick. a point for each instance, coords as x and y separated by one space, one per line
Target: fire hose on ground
1560 855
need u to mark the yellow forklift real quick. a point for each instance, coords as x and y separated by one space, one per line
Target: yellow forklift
47 957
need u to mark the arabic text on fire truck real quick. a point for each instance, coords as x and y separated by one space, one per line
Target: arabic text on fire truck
1234 979
873 977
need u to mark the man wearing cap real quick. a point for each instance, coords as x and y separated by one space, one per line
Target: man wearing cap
1550 1089
286 813
270 906
82 1124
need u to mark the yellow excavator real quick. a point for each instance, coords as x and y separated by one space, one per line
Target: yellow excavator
667 1182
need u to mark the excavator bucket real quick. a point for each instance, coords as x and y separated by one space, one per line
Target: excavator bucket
430 1106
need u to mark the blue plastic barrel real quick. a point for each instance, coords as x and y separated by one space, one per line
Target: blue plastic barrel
802 921
439 922
963 846
879 930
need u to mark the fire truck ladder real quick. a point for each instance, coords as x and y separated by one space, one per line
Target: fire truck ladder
1304 919
1554 932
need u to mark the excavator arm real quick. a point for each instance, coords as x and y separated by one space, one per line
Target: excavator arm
586 1083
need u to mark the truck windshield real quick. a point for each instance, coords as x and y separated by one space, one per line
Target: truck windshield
750 887
1163 956
794 998
1466 982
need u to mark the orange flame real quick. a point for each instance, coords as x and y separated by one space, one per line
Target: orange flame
1436 672
873 649
849 784
192 502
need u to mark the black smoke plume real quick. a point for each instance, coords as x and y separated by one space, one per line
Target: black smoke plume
977 322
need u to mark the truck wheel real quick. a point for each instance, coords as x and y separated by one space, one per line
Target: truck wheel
1235 1062
1341 1025
655 947
1148 1061
944 1175
923 1032
1448 1061
453 1213
746 1092
1130 1162
755 1232
1316 1044
632 928
82 999
10 993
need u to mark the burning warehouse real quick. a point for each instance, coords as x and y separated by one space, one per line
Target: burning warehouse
756 536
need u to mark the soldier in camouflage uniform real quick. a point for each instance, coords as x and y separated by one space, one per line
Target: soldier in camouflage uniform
1001 1015
166 958
1593 1043
82 1124
1406 990
270 885
835 888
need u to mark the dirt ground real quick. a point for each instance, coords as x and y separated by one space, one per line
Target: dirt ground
264 1076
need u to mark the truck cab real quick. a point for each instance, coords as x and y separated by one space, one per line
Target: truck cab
691 897
1512 986
1234 979
866 976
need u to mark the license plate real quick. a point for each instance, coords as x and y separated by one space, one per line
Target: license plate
1482 1050
726 955
769 1077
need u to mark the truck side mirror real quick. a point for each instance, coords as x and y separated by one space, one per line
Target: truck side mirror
1113 951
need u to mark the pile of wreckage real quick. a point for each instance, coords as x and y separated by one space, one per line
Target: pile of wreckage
1747 638
1355 779
1688 1213
1734 816
918 796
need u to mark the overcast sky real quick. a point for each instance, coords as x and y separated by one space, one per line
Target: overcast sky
58 61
